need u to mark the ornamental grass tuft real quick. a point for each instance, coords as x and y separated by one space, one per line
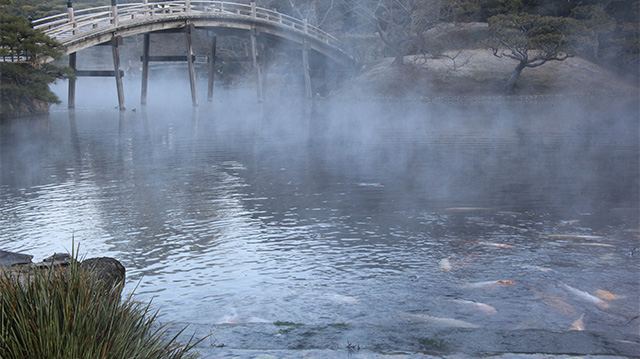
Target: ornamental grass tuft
68 314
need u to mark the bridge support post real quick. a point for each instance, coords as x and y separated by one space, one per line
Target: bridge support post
212 68
305 69
116 67
145 69
71 97
256 65
192 70
305 62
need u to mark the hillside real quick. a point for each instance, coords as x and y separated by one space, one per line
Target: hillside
477 72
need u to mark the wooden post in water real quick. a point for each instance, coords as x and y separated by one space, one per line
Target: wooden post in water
115 41
305 62
145 68
212 68
71 98
256 64
192 70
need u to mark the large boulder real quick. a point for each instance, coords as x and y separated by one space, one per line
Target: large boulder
108 272
7 259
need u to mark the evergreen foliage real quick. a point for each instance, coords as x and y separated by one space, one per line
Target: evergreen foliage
532 40
23 79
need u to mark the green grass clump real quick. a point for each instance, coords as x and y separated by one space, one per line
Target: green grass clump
68 314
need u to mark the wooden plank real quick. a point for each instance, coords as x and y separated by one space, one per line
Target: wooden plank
118 40
176 58
97 73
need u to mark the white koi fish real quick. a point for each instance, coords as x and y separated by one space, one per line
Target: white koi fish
491 244
587 244
587 297
342 298
578 324
460 209
491 284
444 322
445 265
538 268
476 305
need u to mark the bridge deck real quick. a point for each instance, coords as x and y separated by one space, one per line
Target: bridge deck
84 28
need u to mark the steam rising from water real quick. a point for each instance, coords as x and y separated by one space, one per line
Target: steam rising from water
245 213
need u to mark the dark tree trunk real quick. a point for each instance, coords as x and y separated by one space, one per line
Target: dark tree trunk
398 60
509 86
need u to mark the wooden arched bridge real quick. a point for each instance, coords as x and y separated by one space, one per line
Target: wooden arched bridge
81 29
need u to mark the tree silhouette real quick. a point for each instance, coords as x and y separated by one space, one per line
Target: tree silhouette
532 40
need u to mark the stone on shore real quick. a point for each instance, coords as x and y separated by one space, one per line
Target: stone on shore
107 271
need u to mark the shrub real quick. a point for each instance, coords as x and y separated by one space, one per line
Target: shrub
68 314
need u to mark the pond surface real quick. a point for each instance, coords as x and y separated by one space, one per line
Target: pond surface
503 216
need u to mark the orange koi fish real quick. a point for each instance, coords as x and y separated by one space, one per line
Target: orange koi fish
604 295
556 303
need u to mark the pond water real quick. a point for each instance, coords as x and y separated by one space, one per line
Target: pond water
468 214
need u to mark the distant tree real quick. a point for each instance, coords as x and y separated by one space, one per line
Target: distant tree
531 40
403 24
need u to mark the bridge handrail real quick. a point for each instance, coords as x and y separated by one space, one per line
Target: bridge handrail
61 27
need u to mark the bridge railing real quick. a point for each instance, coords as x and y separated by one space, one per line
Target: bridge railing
78 23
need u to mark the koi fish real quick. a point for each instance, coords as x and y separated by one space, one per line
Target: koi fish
445 265
587 297
587 244
476 305
444 322
578 324
491 284
523 230
556 303
461 209
569 236
539 268
342 298
604 295
490 244
571 222
235 319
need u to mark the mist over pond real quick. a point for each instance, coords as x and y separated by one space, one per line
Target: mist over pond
363 213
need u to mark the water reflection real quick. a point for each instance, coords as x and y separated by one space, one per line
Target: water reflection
231 218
